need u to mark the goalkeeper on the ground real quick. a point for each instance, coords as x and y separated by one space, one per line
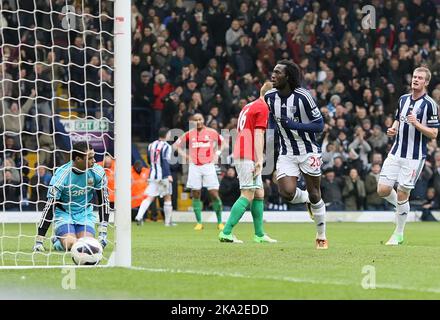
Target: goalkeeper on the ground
70 201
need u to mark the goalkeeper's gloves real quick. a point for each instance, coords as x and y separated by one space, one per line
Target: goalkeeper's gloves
38 246
102 234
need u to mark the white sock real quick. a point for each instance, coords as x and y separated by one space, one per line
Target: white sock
392 198
167 211
300 196
318 210
143 208
402 214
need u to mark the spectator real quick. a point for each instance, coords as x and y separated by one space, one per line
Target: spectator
274 199
143 97
160 90
244 56
43 102
46 150
331 189
229 189
354 192
378 140
161 60
12 151
109 166
214 116
178 62
208 91
139 183
373 201
14 119
39 186
419 193
431 203
360 146
9 192
340 167
233 36
7 84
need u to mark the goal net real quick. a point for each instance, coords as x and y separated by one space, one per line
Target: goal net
57 87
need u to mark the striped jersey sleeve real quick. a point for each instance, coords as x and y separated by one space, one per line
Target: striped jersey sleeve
432 120
309 105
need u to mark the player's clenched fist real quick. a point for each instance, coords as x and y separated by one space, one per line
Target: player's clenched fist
391 132
412 119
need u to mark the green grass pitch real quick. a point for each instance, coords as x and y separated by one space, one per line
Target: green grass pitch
180 263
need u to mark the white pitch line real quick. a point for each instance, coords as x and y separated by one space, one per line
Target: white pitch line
66 266
286 279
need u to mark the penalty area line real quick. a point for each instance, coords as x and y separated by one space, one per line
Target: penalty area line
282 278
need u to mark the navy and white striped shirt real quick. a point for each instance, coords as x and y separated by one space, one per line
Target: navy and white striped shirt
300 107
410 143
159 153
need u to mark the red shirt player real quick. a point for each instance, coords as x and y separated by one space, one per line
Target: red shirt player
248 158
253 116
204 144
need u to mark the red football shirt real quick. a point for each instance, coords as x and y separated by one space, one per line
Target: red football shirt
201 144
253 116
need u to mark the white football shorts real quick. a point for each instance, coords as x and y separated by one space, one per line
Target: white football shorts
202 176
159 188
291 166
245 172
403 171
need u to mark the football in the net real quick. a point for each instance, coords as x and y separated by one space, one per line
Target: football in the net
86 251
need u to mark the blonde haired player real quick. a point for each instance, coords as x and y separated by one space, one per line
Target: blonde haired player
415 123
248 159
204 147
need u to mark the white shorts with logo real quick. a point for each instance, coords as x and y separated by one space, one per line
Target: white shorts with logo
159 188
403 171
291 166
245 172
202 176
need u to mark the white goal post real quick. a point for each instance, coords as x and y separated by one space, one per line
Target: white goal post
123 132
33 121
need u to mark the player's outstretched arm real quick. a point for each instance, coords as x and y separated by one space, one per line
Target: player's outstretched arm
315 126
43 226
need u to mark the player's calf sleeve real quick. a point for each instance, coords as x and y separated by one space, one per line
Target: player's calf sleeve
197 207
218 208
318 210
392 198
237 211
301 196
167 211
257 209
143 208
402 213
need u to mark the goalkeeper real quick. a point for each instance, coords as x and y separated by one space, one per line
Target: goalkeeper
70 197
